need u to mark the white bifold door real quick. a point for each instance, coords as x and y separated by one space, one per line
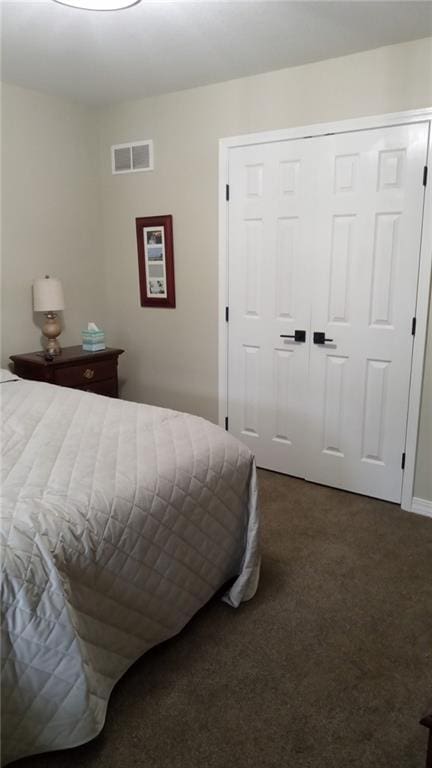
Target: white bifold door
323 254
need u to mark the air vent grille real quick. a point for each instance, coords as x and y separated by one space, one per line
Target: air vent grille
132 157
122 159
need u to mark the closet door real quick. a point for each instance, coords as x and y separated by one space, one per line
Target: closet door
367 221
269 243
324 244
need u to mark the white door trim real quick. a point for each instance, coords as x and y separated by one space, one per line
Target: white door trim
425 269
422 507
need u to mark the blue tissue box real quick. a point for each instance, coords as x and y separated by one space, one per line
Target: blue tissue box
93 341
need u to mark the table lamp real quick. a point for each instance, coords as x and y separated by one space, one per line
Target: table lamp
48 298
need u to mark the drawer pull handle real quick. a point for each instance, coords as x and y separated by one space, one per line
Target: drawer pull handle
88 373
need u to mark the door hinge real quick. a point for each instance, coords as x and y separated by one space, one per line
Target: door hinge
227 192
226 423
425 175
413 326
403 460
227 314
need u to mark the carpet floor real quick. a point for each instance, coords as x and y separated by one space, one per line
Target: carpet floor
329 666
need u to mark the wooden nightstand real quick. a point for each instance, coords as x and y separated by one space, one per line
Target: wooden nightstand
89 371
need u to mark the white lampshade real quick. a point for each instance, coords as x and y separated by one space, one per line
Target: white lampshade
48 295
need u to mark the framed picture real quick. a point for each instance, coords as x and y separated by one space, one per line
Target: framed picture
156 261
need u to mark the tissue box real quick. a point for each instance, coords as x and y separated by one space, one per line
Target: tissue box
93 341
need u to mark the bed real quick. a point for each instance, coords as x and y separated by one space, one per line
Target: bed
119 522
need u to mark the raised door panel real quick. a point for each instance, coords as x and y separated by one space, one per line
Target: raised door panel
334 398
385 253
341 257
252 256
250 390
375 408
287 258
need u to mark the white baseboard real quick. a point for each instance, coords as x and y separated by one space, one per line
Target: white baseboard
421 507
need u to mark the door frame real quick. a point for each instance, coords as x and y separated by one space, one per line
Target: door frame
424 277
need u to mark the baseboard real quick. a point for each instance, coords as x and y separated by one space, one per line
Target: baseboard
421 507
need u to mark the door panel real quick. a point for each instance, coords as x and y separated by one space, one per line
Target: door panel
324 235
268 298
365 262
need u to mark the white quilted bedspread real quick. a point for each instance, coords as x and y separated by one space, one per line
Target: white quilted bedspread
119 521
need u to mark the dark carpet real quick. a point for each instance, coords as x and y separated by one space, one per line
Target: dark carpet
329 666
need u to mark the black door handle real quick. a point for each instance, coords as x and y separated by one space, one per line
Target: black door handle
320 338
297 336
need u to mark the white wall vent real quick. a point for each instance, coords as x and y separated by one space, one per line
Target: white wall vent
132 157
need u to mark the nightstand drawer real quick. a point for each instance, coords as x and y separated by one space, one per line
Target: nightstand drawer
87 373
108 388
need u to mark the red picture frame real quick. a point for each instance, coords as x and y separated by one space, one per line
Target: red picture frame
156 261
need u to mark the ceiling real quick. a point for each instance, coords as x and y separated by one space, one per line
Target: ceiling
168 45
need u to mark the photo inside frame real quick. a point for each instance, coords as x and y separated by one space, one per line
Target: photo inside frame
156 270
157 287
154 250
155 253
154 236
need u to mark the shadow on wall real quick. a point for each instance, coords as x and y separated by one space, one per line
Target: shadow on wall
196 403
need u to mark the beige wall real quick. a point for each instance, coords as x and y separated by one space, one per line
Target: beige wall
171 356
50 214
423 477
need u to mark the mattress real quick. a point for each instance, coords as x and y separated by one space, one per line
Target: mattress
119 521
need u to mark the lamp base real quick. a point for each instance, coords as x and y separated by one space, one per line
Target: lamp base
51 329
